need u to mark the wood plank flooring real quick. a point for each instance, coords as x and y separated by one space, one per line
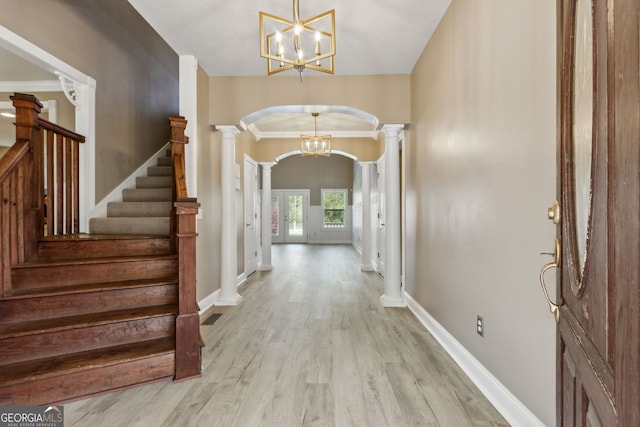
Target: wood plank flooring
309 345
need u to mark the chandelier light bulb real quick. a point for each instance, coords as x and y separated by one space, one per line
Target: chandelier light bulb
278 36
318 36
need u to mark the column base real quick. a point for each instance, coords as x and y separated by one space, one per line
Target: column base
265 267
229 301
367 268
388 301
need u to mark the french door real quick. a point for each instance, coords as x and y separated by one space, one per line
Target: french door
597 213
289 216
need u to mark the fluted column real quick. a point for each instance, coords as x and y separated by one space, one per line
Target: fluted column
366 217
229 247
392 278
265 258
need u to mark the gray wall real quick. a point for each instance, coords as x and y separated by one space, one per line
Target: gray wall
480 175
313 173
136 74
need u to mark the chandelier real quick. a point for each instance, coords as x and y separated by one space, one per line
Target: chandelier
315 145
298 44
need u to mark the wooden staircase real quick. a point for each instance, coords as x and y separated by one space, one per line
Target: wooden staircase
145 209
82 314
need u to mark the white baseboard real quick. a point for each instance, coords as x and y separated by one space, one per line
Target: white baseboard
210 300
241 279
100 209
207 302
514 411
311 241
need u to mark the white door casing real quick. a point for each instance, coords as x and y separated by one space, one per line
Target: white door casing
251 220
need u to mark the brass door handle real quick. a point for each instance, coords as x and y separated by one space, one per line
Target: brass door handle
553 307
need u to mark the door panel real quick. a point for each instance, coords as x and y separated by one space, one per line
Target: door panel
598 292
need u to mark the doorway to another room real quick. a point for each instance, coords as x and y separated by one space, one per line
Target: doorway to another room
289 216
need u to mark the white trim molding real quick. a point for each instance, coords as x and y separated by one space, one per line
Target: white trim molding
84 88
188 71
31 86
207 302
514 411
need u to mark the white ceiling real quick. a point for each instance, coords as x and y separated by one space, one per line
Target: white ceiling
372 37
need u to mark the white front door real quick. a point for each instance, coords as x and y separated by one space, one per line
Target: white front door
251 222
289 216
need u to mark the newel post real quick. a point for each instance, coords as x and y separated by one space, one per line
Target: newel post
183 238
31 187
188 349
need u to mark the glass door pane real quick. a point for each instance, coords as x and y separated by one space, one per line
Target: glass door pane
275 215
296 215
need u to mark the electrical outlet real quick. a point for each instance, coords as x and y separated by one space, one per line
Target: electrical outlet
480 326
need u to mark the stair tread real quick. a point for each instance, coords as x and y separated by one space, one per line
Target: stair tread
42 368
16 329
89 237
103 260
88 287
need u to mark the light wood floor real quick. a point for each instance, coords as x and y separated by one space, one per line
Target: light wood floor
309 345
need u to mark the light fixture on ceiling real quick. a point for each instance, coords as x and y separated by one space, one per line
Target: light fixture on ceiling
315 145
298 44
8 114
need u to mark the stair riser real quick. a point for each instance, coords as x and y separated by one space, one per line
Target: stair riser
132 225
103 248
164 161
146 195
56 343
139 209
153 182
75 274
50 307
159 170
84 382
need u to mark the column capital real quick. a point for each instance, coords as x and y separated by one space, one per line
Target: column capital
266 165
228 129
392 130
366 164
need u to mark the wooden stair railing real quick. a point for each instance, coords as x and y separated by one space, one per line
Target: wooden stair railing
183 242
46 156
22 185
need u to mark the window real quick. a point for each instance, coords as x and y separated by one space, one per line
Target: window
334 203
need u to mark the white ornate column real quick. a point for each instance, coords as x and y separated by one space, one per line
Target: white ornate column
229 246
393 268
265 259
366 217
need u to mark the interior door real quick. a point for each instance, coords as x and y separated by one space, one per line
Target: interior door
597 249
289 210
381 230
251 222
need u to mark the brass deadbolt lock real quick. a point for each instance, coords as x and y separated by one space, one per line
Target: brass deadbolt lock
553 213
